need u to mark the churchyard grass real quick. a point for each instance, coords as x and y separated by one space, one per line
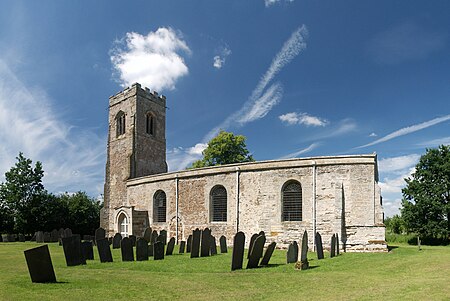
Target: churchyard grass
405 273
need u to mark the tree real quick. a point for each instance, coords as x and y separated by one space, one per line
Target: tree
426 197
395 224
225 148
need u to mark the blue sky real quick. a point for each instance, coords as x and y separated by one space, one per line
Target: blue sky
298 78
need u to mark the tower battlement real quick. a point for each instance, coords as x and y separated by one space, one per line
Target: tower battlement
136 89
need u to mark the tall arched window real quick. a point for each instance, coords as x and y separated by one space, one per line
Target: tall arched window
123 225
159 207
150 124
218 202
120 123
291 199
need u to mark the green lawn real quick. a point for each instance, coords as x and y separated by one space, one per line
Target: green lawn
402 274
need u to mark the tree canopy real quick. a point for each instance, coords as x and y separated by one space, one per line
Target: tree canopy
225 148
426 197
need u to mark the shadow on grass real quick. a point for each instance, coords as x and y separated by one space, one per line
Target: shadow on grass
390 248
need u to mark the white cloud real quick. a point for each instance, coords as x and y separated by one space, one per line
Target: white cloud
179 158
197 149
271 2
408 130
302 118
373 135
436 142
398 163
153 60
220 58
300 152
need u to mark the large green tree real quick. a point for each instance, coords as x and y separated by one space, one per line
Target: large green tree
225 148
83 212
426 197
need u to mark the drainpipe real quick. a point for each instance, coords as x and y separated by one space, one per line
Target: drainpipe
176 206
237 199
314 204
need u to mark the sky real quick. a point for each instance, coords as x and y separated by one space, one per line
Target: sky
298 78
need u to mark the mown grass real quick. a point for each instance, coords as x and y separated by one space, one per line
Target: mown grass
402 274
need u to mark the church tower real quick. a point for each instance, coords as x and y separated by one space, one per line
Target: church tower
136 145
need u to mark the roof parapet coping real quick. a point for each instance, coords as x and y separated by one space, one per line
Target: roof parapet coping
138 87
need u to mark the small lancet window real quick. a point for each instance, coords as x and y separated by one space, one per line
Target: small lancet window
123 225
120 124
218 198
150 124
291 199
159 207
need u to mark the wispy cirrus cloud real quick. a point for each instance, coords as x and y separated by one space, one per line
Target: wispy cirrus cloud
268 3
435 142
220 58
408 130
300 152
302 118
154 60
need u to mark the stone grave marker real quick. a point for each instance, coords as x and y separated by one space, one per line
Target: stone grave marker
223 244
319 246
154 236
337 244
163 234
148 234
67 232
54 235
206 243
303 264
256 252
116 241
333 246
213 245
195 247
161 239
133 240
87 250
60 233
189 244
72 251
182 247
158 250
170 246
238 251
150 250
40 264
8 238
292 253
1 238
47 237
87 237
141 249
100 233
262 233
104 252
126 248
39 237
252 241
268 254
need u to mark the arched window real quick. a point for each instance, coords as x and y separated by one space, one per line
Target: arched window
159 207
291 200
150 124
123 225
120 124
218 199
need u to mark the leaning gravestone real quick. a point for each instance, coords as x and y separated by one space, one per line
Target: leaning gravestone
182 247
104 252
116 241
163 234
189 244
54 235
40 264
223 244
206 243
292 253
148 234
252 241
158 250
126 248
213 245
256 252
303 264
333 246
238 251
141 249
154 237
170 246
195 248
87 250
337 244
100 233
72 251
268 254
319 246
47 237
133 240
39 237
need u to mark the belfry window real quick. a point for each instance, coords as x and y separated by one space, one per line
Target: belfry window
150 124
120 124
159 207
291 199
123 225
218 204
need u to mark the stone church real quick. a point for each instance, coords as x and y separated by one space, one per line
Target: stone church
283 198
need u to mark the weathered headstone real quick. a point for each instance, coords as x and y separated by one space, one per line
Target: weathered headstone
39 237
40 264
256 252
292 253
319 246
67 232
158 250
213 245
87 250
238 251
126 248
333 246
8 238
223 244
252 241
163 234
47 237
54 235
60 233
88 238
182 247
141 249
72 251
268 254
189 244
303 264
148 234
206 243
337 244
262 233
104 252
133 240
154 236
150 250
116 241
100 233
170 246
195 247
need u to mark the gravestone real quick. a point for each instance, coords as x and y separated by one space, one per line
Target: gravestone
39 237
170 246
337 244
303 264
238 251
213 245
54 235
104 252
262 233
161 238
182 247
100 233
40 264
158 250
333 246
133 240
252 241
72 251
126 248
1 238
47 237
268 254
67 232
256 252
87 250
223 244
148 234
87 237
8 238
150 250
60 233
21 237
206 243
189 244
319 246
154 236
292 253
163 234
195 247
116 241
141 249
